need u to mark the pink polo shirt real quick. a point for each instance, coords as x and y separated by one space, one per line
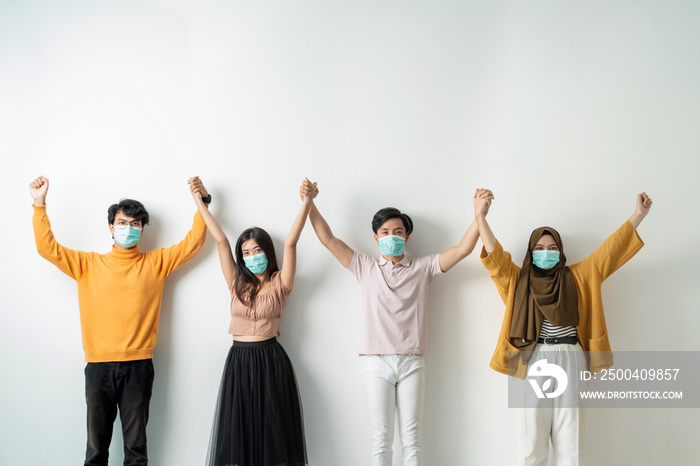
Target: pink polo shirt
394 302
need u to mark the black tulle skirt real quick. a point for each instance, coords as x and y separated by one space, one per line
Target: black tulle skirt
258 419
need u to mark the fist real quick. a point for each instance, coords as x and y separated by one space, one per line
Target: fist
38 188
643 203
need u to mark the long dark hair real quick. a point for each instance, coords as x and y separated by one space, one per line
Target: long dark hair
246 284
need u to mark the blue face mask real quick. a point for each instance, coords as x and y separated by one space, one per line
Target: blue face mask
257 263
545 259
126 235
391 245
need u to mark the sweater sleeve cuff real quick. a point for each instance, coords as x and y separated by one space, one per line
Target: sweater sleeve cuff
632 233
490 259
198 222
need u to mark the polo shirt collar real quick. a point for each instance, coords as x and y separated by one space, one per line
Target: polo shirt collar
405 262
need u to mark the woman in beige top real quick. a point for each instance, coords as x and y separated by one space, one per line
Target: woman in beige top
258 419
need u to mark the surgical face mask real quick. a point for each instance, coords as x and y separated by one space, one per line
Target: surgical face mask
256 263
545 259
126 235
391 245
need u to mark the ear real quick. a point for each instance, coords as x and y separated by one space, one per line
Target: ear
406 239
376 239
111 229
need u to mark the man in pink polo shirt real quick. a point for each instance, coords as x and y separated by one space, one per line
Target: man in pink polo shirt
393 330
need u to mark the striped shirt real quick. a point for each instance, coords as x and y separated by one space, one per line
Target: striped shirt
556 331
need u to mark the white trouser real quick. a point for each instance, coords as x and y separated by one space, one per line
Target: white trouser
553 418
395 382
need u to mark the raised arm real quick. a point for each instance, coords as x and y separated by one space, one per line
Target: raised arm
642 209
340 250
228 265
289 263
620 246
69 261
482 202
453 255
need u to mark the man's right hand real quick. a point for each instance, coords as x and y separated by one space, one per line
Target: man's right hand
38 189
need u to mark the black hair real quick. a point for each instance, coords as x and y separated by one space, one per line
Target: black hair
387 213
246 284
130 208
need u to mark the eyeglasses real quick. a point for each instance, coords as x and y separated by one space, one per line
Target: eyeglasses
132 224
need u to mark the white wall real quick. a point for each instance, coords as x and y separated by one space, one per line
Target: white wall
566 109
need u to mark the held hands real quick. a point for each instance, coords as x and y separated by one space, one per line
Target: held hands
482 201
38 189
308 190
197 188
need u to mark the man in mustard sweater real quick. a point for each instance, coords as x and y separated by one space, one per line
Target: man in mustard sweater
119 295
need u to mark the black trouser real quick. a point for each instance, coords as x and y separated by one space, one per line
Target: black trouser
126 385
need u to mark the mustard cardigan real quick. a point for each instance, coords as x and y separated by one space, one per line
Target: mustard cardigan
589 275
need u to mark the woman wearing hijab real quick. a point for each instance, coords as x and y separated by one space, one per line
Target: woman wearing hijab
554 312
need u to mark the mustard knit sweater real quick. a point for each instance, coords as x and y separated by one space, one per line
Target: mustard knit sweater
119 293
589 275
